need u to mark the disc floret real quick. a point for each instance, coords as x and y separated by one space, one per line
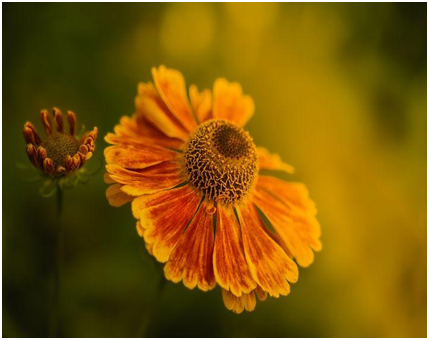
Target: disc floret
220 159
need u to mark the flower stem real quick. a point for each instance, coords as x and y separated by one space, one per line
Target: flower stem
55 310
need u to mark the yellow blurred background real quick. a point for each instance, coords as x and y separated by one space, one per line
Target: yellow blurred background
340 93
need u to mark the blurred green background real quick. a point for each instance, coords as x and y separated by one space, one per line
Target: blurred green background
340 93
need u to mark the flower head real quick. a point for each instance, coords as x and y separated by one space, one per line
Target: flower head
192 174
60 153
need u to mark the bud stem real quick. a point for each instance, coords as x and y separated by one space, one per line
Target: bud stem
55 311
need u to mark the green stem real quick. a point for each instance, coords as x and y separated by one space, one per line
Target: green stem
55 310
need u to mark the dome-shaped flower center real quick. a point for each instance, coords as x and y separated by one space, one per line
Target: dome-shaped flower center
60 145
221 161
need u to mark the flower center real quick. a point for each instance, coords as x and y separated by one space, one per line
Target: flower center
60 145
221 161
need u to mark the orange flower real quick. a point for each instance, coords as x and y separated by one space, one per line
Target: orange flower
60 153
192 175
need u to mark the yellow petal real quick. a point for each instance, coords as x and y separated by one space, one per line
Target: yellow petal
116 196
132 157
201 103
262 294
138 130
164 217
269 161
292 214
165 175
270 266
230 103
108 179
152 107
230 266
172 89
238 304
191 261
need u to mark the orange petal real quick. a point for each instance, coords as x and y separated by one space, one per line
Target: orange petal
192 258
158 177
116 197
149 248
108 179
201 103
149 104
132 157
269 161
137 130
140 231
262 294
164 217
238 304
230 266
172 89
230 103
270 266
292 214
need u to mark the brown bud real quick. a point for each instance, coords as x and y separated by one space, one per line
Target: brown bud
82 158
42 154
68 163
58 119
71 117
93 134
28 135
60 170
32 154
84 137
76 161
46 121
83 149
37 139
89 142
48 166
